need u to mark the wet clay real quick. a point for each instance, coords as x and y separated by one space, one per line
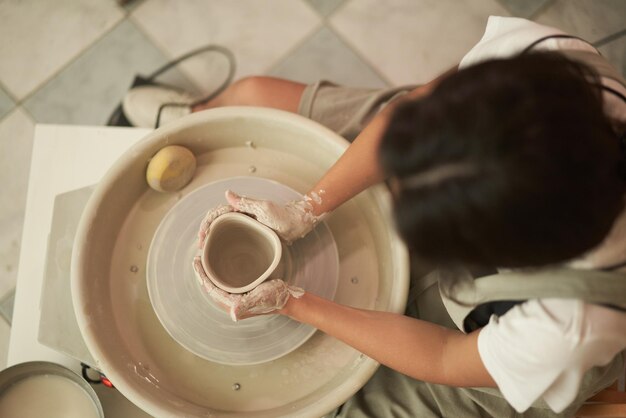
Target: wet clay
238 254
47 396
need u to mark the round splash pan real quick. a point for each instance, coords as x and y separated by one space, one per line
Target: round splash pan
108 277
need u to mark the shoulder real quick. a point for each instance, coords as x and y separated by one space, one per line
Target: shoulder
564 324
544 346
508 36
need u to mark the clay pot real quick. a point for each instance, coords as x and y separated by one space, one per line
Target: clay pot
240 253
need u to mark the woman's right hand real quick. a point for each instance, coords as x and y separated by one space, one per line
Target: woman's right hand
268 297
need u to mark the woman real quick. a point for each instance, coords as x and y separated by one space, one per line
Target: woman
511 162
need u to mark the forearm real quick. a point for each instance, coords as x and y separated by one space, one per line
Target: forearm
359 167
419 349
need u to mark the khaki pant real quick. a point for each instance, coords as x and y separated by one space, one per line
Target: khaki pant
345 110
391 394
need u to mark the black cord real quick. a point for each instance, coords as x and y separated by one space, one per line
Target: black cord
558 36
230 57
614 92
613 267
563 36
85 367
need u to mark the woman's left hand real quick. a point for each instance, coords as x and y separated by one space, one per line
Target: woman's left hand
266 298
291 221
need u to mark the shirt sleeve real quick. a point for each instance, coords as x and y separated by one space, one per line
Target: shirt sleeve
508 36
505 37
541 349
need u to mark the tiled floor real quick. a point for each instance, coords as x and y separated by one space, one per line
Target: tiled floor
70 61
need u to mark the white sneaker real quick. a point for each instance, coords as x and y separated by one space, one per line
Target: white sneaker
141 105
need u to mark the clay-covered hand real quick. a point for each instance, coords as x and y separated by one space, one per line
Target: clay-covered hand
290 221
267 297
208 219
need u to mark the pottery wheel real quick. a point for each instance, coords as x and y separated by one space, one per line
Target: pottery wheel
192 318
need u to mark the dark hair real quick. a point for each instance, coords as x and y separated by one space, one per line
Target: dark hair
507 163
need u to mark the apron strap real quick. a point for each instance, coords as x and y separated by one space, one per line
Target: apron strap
592 286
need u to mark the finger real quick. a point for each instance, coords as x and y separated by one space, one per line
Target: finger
201 238
236 316
264 299
200 273
208 219
233 199
202 277
254 207
226 301
214 213
295 291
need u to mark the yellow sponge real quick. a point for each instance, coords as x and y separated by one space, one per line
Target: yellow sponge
171 168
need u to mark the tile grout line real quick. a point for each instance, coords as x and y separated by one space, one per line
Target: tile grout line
314 31
15 109
610 38
352 47
9 113
327 23
541 9
356 51
7 296
161 48
8 92
600 42
73 59
18 102
132 5
316 28
155 42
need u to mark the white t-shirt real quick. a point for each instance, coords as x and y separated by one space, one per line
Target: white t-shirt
543 347
508 36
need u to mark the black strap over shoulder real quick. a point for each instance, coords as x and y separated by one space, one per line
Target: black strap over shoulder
565 36
481 314
545 38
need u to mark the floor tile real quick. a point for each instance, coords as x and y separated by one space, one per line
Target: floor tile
6 306
10 240
524 8
6 103
325 7
258 33
16 139
44 35
325 56
591 20
87 91
130 5
5 333
418 39
58 327
615 52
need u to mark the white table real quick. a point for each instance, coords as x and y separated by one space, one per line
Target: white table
64 158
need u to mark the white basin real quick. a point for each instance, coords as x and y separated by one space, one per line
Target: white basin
111 300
